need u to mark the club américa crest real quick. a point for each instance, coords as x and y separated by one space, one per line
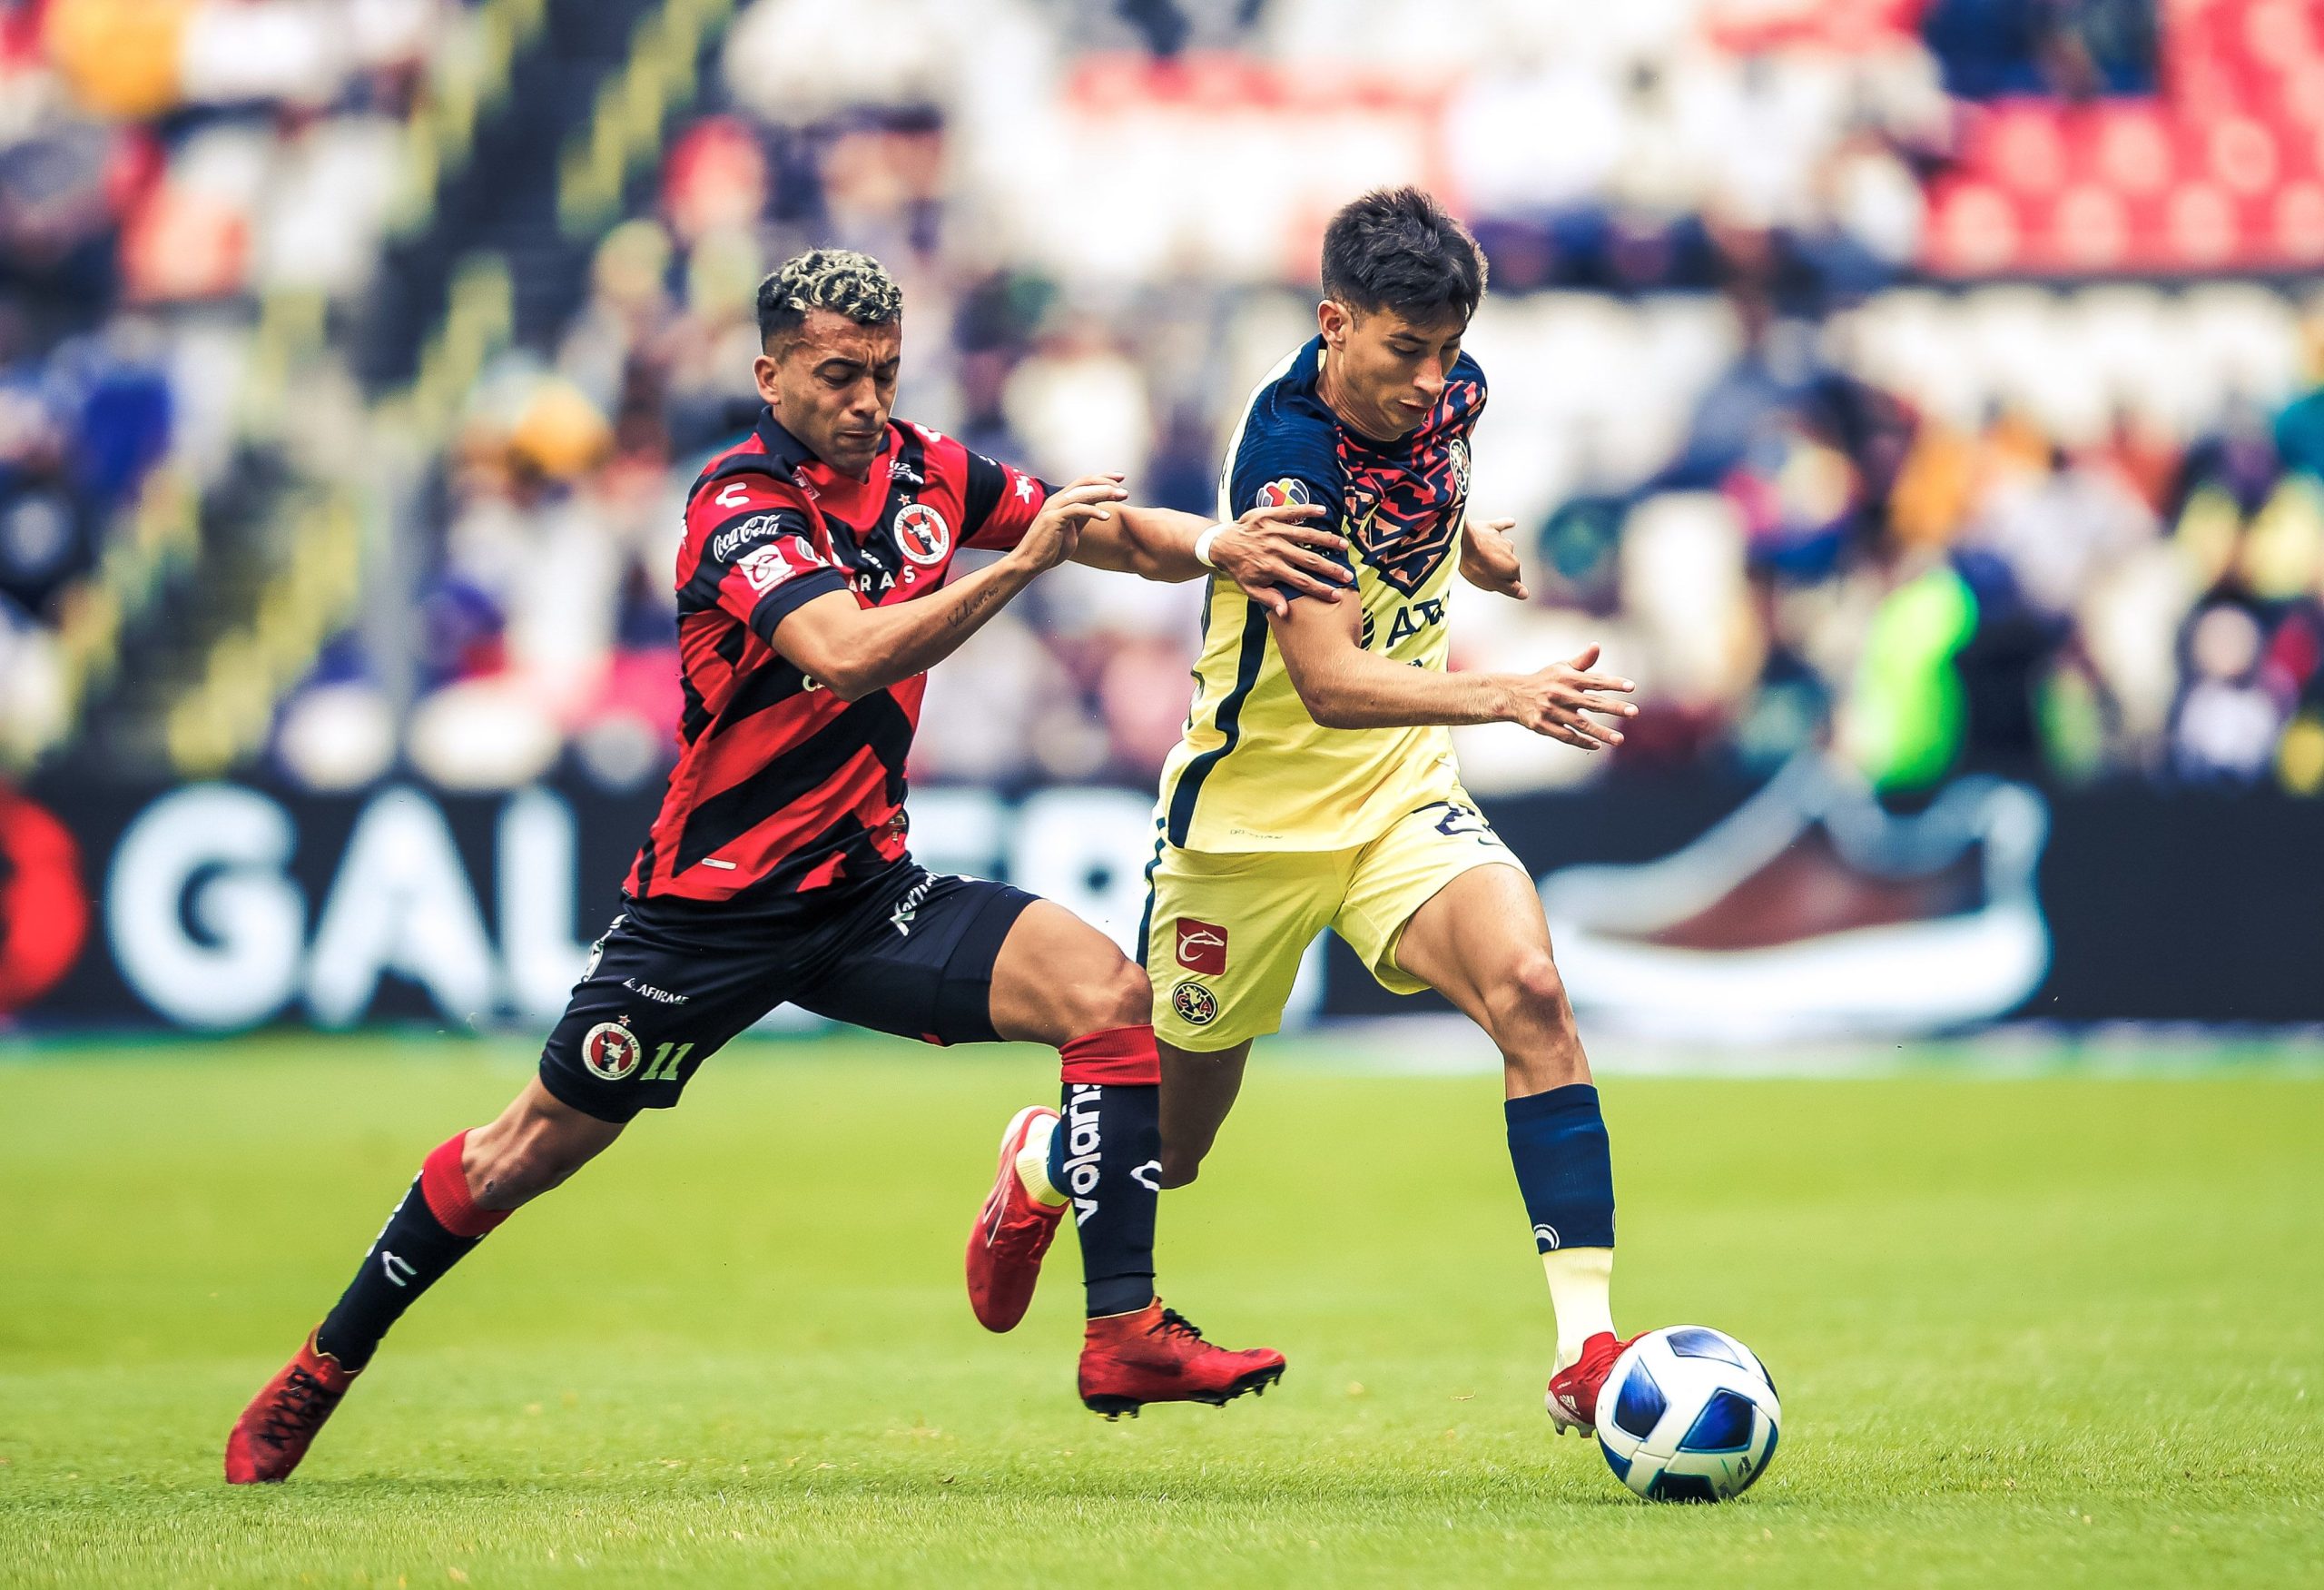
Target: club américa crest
611 1051
1196 1005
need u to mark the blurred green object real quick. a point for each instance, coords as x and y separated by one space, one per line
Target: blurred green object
1908 712
2032 1332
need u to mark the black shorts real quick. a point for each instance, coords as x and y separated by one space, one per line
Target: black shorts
661 996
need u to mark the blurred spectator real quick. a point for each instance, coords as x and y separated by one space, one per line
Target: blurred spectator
1804 493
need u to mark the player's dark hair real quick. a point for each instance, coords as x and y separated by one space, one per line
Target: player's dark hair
840 279
1396 248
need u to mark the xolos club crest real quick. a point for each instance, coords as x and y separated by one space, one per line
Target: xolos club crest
611 1051
921 534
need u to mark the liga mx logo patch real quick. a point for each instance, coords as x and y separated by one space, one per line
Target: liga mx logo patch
1202 947
611 1051
1196 1005
1283 493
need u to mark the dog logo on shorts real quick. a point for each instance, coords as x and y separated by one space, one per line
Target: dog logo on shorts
1196 1005
611 1051
1202 947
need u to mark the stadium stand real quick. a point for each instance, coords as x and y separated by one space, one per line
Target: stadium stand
349 369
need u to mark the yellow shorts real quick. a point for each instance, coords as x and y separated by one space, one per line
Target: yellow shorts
1225 932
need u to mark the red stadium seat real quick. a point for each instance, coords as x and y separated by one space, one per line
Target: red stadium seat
2128 146
2089 229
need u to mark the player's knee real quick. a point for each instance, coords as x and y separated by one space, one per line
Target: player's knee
1118 997
1532 991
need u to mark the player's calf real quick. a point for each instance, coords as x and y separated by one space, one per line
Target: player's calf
1481 941
1198 1090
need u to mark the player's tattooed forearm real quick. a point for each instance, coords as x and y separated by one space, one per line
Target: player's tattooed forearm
969 611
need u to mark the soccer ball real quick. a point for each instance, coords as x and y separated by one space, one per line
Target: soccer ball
1687 1415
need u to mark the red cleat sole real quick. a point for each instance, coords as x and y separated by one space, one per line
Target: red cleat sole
1255 1383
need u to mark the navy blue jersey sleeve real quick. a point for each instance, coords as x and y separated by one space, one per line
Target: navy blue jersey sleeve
1288 458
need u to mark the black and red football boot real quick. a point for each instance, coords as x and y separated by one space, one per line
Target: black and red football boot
1157 1355
276 1429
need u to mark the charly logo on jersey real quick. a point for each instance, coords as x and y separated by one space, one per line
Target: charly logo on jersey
921 534
1545 1239
1196 1005
610 1051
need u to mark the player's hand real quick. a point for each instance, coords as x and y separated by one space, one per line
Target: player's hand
1557 702
1489 559
1056 530
1269 549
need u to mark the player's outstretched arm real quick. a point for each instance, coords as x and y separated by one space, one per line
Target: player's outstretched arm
1267 551
852 650
1345 686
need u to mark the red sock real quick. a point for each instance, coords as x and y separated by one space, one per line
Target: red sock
1124 1056
434 1227
1105 1156
445 1185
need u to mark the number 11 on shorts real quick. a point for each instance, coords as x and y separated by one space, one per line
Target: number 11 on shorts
664 1066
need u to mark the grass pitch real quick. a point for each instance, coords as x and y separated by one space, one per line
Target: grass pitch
2063 1330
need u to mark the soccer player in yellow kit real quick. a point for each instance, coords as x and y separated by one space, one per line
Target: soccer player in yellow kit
1315 785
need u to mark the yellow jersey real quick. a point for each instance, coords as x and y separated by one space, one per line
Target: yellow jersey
1254 771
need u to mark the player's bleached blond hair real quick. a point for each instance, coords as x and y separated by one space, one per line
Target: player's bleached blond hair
840 279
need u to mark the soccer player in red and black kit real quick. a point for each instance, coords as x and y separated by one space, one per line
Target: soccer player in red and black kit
813 597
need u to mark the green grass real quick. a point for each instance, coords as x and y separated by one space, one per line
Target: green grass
2060 1330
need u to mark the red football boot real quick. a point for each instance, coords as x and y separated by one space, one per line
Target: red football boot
1013 1231
275 1430
1156 1355
1573 1398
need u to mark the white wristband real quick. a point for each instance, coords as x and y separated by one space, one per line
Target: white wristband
1202 546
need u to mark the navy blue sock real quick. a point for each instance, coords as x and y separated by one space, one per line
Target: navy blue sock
1106 1155
1565 1170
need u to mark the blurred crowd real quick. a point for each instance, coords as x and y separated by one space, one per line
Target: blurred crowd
2069 530
164 163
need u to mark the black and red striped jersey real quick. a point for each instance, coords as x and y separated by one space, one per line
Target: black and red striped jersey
784 796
